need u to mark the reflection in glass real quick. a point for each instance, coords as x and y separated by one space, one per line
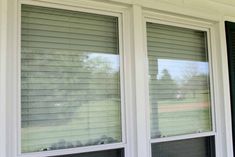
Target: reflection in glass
198 147
107 153
178 81
70 80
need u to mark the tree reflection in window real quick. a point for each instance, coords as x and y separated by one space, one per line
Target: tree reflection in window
180 97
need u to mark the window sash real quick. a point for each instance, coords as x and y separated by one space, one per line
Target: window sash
115 12
159 19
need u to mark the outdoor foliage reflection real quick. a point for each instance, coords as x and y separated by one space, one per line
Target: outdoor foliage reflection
74 102
179 96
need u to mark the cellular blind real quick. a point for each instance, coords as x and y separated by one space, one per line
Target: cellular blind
70 79
178 81
230 34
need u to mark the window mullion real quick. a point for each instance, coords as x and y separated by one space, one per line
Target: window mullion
3 21
140 83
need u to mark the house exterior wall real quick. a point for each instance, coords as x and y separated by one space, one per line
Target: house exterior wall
213 11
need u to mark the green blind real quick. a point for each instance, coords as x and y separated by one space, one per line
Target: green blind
178 81
70 79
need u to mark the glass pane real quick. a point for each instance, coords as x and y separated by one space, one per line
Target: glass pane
178 81
107 153
199 147
70 79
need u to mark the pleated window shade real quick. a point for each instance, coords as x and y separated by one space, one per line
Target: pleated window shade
70 79
179 87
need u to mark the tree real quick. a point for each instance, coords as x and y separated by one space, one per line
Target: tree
166 86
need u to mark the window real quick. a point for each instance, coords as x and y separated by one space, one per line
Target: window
179 91
87 88
70 81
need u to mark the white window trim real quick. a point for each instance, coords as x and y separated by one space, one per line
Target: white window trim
139 82
212 102
3 54
226 83
133 45
85 148
209 27
125 78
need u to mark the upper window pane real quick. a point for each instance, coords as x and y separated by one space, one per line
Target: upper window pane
70 79
178 81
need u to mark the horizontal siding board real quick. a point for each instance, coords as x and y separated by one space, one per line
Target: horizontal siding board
64 19
59 52
56 63
67 25
68 57
49 116
178 31
58 74
82 31
74 127
54 45
162 37
97 129
69 41
82 138
67 97
65 35
71 80
45 142
173 47
66 13
68 92
67 86
59 68
83 114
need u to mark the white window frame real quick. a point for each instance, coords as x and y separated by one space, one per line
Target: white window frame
226 83
3 54
195 24
125 77
211 89
133 17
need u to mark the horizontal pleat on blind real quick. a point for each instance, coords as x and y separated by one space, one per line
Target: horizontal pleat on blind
70 81
178 81
199 147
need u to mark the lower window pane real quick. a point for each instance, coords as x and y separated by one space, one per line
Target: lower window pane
107 153
199 147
